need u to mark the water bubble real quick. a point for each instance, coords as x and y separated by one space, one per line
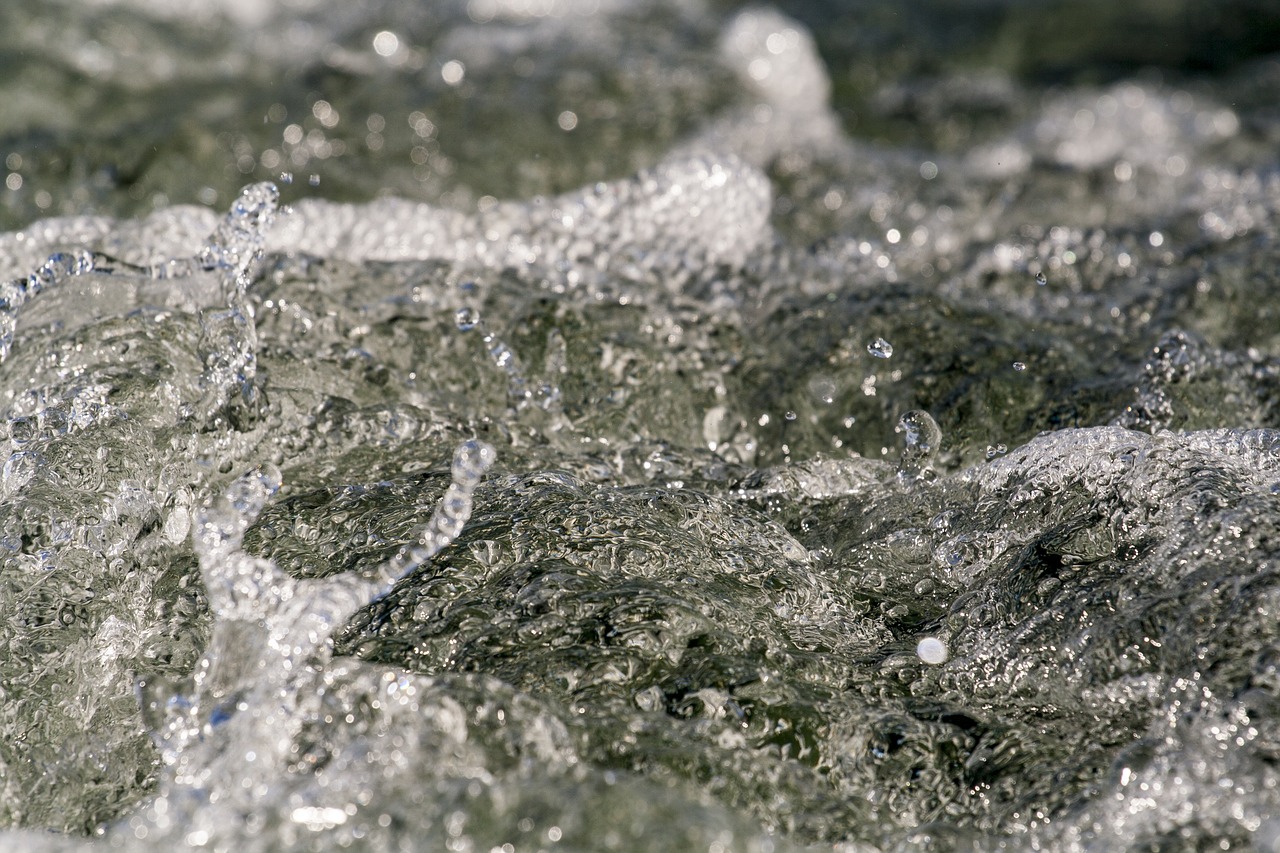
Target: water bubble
22 431
880 348
931 650
922 436
1041 278
1019 366
466 319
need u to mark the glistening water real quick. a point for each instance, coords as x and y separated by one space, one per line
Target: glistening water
587 425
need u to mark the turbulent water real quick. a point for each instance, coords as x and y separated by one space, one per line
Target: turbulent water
593 425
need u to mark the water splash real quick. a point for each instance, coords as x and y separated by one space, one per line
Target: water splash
470 463
521 392
271 644
15 294
239 238
922 438
230 338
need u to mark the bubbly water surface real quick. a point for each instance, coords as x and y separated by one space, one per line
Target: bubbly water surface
585 425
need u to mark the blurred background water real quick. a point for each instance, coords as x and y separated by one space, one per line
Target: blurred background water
883 397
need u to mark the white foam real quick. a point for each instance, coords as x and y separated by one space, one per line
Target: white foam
684 212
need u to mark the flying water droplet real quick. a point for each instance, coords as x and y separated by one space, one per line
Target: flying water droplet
1041 278
880 348
466 319
1019 366
922 437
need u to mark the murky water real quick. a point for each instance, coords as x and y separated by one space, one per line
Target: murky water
584 425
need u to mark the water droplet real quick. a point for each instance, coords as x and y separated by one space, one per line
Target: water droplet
996 450
931 650
1019 366
314 180
1041 278
880 348
286 177
466 319
791 416
922 436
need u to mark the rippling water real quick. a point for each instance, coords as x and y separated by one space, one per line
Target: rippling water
587 425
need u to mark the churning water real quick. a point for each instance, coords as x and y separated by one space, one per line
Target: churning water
585 425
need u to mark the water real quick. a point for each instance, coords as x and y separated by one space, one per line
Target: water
641 426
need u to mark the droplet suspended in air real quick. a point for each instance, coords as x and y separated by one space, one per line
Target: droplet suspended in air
922 437
880 348
1019 366
1041 278
466 319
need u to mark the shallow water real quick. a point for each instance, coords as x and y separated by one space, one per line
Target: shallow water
584 425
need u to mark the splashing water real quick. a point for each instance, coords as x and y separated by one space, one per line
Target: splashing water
16 293
645 250
271 648
921 437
